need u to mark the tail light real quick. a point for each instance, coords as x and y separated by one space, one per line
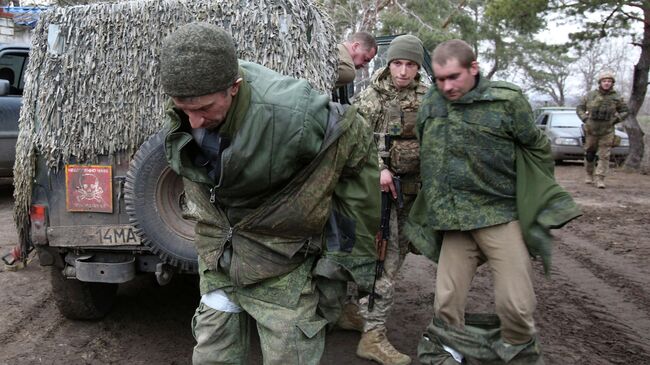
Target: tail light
38 218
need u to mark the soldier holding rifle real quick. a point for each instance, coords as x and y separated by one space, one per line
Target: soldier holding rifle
390 104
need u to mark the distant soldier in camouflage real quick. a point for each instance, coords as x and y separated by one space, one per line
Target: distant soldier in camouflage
277 179
600 110
390 104
469 129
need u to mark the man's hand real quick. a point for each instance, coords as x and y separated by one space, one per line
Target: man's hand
386 182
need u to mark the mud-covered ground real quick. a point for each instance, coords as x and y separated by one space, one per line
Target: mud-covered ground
594 308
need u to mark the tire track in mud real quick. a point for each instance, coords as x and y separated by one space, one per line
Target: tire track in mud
42 315
615 270
611 288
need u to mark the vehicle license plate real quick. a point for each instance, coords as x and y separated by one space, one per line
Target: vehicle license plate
73 236
117 236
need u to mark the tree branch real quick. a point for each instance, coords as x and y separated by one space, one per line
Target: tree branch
409 12
448 20
631 16
603 33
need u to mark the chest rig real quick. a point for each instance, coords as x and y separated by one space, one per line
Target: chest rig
401 150
602 112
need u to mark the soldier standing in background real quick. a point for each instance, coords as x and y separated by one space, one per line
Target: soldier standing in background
390 104
600 110
355 53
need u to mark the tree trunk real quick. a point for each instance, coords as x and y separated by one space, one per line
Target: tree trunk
639 89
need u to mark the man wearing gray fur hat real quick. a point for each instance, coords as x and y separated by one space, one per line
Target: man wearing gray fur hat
273 175
390 105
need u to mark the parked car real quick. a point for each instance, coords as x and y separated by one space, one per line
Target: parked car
563 128
13 62
543 109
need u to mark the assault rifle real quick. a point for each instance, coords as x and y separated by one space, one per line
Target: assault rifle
383 235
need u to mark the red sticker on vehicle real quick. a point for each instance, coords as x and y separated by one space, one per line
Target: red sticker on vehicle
89 188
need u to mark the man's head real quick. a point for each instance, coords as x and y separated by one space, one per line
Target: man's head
405 56
455 68
199 70
362 47
606 80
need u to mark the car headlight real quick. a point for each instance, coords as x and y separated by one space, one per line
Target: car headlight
625 142
566 141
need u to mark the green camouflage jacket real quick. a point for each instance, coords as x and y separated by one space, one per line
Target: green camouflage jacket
467 150
600 110
295 163
484 162
391 111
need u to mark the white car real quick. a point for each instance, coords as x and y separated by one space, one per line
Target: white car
564 130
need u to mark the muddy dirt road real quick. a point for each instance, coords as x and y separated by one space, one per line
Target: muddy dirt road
593 309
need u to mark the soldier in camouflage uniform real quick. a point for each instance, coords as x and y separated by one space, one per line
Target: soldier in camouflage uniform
282 185
600 110
390 104
469 128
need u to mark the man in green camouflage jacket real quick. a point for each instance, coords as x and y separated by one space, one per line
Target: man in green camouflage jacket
600 110
469 129
390 105
282 185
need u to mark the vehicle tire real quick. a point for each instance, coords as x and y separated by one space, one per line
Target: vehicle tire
155 199
81 300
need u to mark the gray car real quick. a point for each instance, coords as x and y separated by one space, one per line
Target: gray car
564 130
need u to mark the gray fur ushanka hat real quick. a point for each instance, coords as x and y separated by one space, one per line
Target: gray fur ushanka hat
197 59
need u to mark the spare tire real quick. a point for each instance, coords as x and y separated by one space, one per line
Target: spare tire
155 200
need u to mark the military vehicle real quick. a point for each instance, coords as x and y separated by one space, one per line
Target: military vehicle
94 195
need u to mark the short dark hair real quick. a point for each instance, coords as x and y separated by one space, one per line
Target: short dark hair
364 38
451 49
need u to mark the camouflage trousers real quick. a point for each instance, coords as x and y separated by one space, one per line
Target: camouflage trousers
398 247
287 335
479 343
602 146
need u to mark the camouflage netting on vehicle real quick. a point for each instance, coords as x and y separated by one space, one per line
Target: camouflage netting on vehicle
92 83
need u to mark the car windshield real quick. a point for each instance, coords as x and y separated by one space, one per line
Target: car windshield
566 120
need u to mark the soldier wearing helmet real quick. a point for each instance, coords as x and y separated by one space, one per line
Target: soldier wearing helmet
600 110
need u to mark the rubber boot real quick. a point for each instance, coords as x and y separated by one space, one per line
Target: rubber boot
600 182
375 346
350 318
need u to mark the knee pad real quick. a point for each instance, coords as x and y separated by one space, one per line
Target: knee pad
590 156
